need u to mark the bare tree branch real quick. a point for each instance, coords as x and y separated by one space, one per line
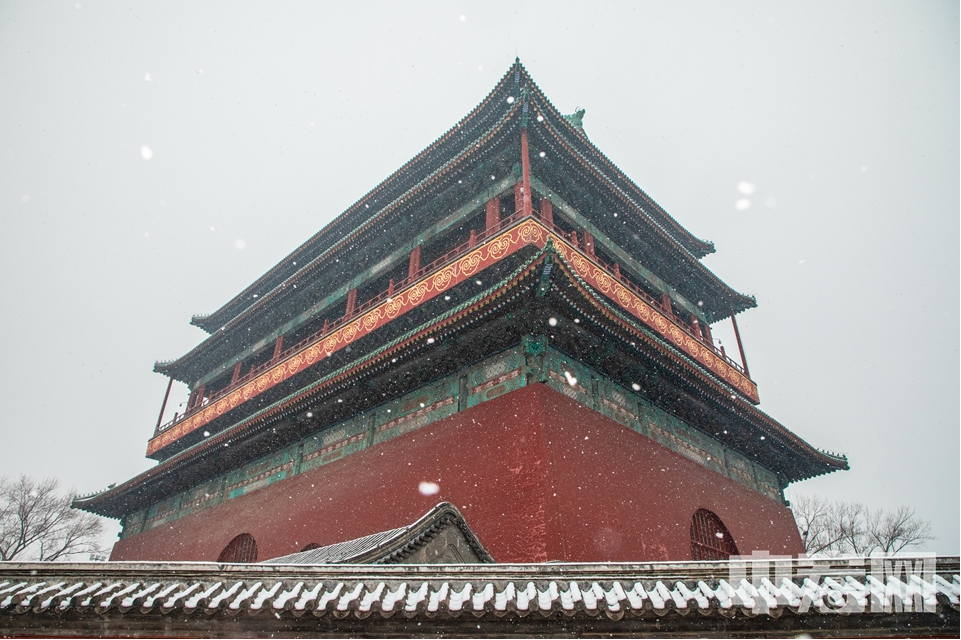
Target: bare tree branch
849 528
37 523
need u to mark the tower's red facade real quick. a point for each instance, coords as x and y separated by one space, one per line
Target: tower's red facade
507 323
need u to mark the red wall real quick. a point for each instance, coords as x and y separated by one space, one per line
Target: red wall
537 476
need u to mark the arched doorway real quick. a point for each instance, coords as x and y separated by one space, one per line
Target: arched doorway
243 548
710 539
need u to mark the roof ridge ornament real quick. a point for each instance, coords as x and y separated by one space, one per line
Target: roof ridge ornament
576 119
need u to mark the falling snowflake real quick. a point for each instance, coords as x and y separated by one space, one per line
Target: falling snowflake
429 488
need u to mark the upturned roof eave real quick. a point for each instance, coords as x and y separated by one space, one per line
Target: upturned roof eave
819 462
691 243
737 301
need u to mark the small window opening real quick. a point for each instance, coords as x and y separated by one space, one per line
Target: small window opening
710 539
243 548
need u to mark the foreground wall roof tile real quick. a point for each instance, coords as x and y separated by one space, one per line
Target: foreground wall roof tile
758 595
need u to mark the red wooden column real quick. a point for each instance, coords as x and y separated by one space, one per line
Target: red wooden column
526 205
196 397
163 405
414 265
278 347
351 302
493 213
666 305
697 327
740 348
237 367
547 210
706 328
588 243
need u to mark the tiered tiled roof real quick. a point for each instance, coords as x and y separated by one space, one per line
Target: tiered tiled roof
493 123
760 596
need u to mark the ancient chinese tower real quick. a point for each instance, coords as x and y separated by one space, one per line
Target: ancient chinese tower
507 323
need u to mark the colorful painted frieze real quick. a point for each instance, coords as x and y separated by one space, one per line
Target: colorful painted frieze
416 410
569 377
495 376
201 497
163 512
336 442
260 473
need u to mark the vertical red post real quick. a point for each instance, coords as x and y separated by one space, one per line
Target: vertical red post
327 324
666 304
617 271
588 243
518 196
278 347
390 288
526 205
574 239
163 405
707 333
472 241
547 211
234 378
414 266
697 327
199 400
493 213
740 348
351 302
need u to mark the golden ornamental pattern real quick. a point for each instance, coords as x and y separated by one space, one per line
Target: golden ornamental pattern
605 283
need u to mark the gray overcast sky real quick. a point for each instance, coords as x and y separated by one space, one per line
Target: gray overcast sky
265 120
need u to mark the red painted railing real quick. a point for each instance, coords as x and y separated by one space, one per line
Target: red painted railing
452 255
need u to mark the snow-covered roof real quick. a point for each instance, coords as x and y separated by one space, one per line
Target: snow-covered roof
764 596
397 545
